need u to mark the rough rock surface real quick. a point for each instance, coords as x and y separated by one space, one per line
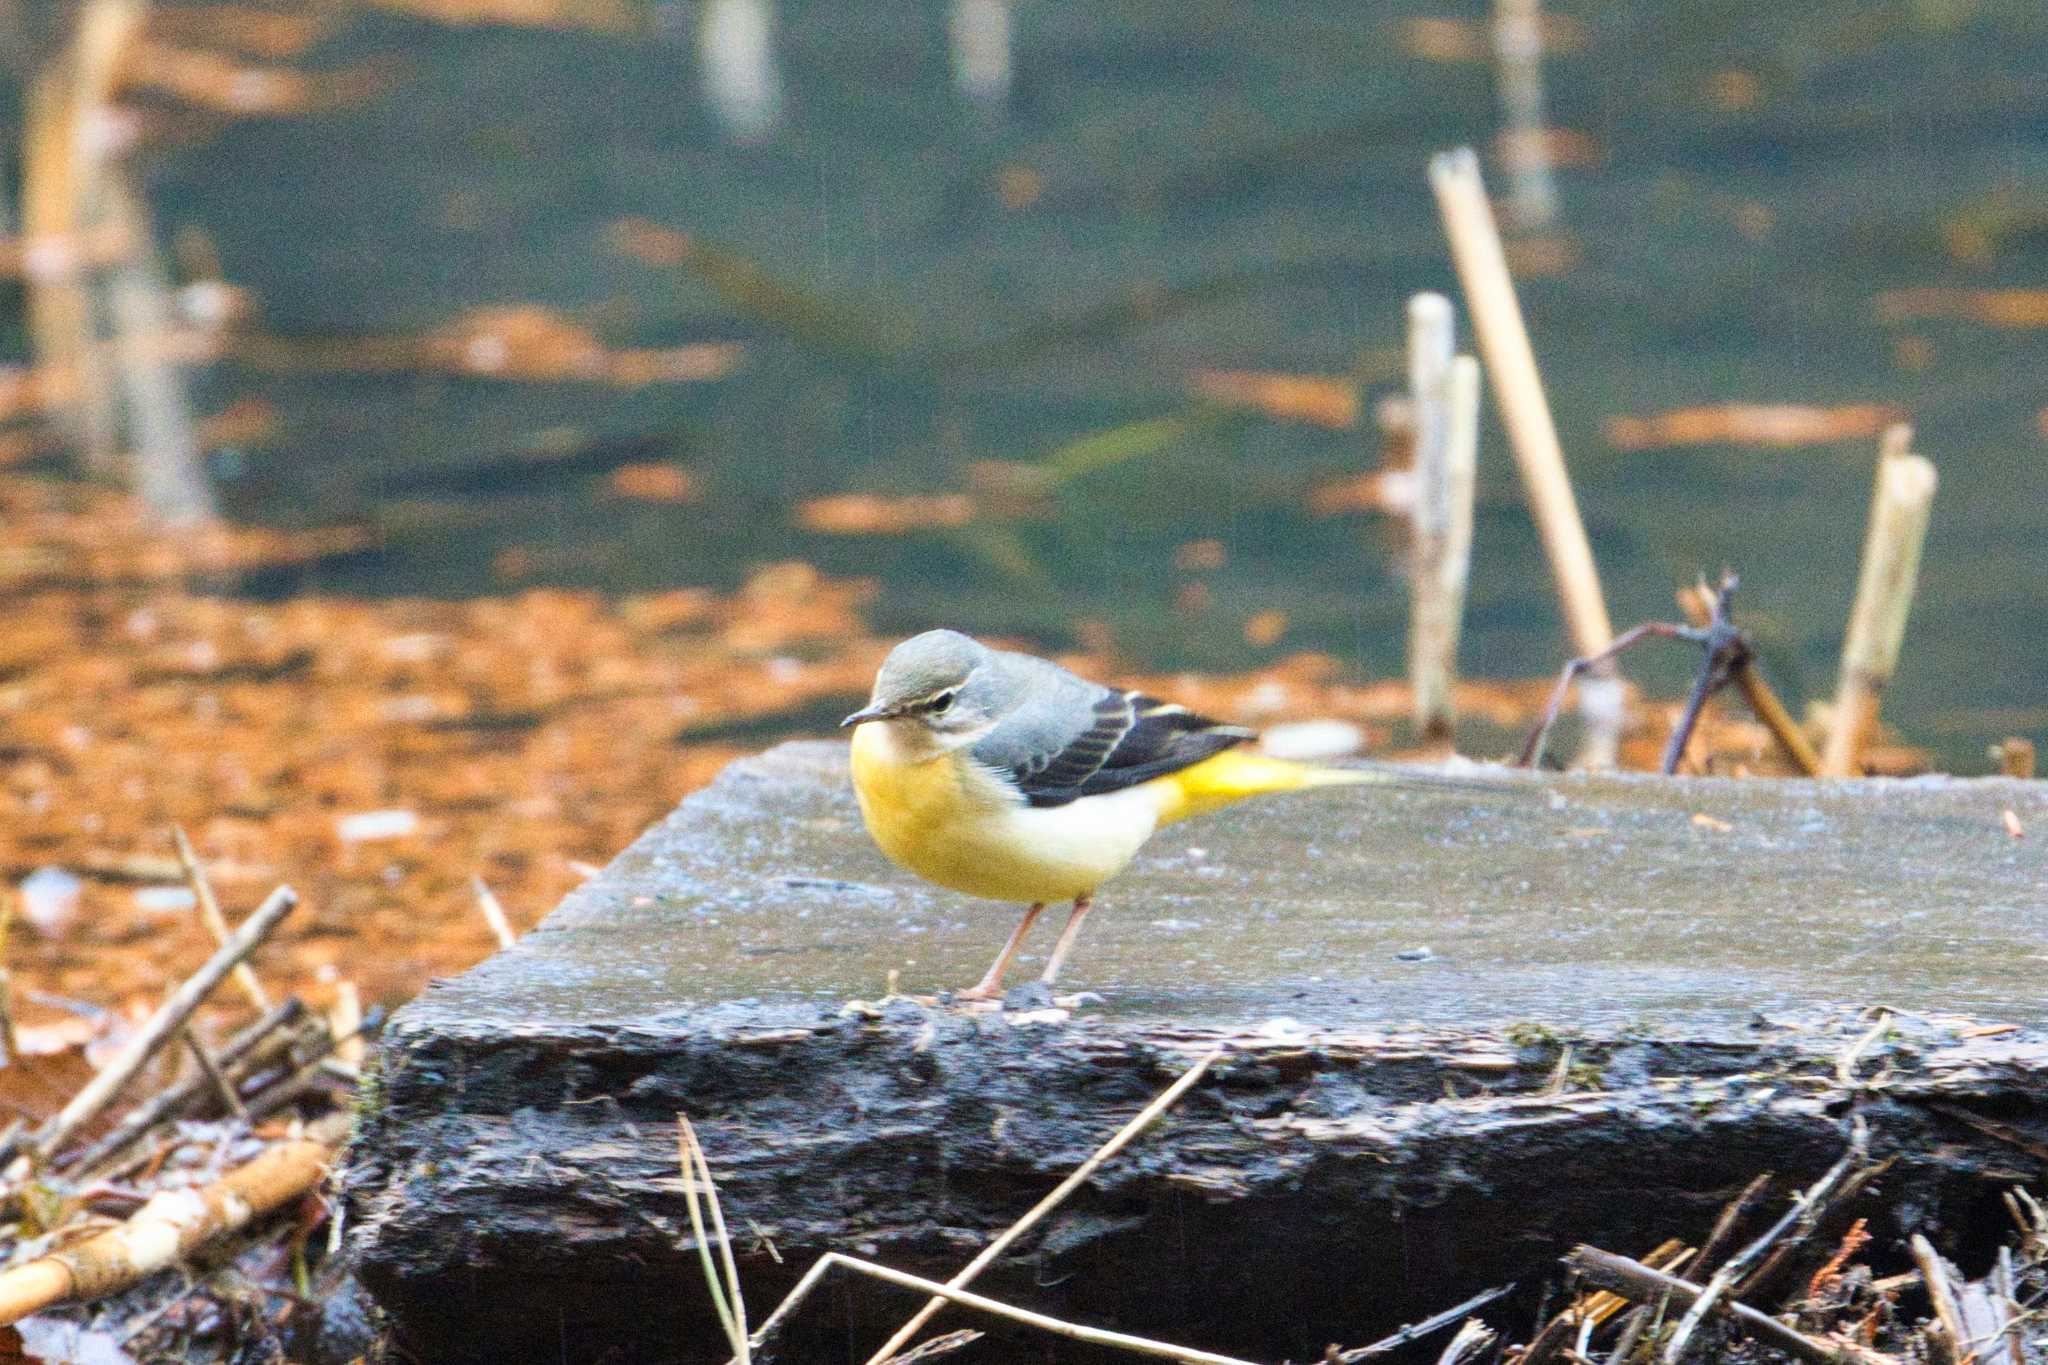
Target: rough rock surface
1386 1134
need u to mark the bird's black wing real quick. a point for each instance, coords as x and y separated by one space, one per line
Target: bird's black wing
1133 738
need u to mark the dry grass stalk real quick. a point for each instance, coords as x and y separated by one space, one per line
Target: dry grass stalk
494 914
1899 508
1443 390
1532 435
162 1026
722 1276
216 923
1073 1331
171 1224
1124 1136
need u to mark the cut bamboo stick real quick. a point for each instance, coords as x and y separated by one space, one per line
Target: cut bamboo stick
1504 345
1444 395
1900 503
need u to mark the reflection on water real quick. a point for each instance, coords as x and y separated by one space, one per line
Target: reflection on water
995 257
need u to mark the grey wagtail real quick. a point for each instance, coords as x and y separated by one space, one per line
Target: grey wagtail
1008 777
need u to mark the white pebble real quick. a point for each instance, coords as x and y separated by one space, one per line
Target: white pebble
49 900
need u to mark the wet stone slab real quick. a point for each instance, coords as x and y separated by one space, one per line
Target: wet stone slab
1386 1116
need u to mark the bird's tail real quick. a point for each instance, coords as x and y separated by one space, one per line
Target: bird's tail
1236 774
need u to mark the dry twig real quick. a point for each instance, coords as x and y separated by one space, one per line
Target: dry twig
1637 1281
162 1026
170 1103
1428 1326
216 922
494 913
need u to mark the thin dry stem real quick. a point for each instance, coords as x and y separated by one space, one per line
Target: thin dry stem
720 1275
216 923
1073 1331
1124 1136
494 914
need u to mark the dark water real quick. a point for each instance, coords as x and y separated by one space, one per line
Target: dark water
1217 186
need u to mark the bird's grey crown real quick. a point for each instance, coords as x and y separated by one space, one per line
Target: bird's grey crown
928 663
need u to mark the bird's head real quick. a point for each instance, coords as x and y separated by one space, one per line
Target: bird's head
941 687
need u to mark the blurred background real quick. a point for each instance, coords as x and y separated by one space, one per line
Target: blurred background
925 250
623 373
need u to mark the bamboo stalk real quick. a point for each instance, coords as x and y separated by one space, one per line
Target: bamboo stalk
1124 1136
1900 503
1532 435
1444 394
172 1224
1518 72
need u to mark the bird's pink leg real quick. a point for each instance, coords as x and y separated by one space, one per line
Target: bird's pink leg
991 984
1067 937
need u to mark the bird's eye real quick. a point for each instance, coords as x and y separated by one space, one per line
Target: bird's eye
938 705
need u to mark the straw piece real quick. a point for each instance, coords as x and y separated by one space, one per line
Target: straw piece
1900 504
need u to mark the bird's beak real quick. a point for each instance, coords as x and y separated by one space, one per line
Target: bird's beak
870 713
